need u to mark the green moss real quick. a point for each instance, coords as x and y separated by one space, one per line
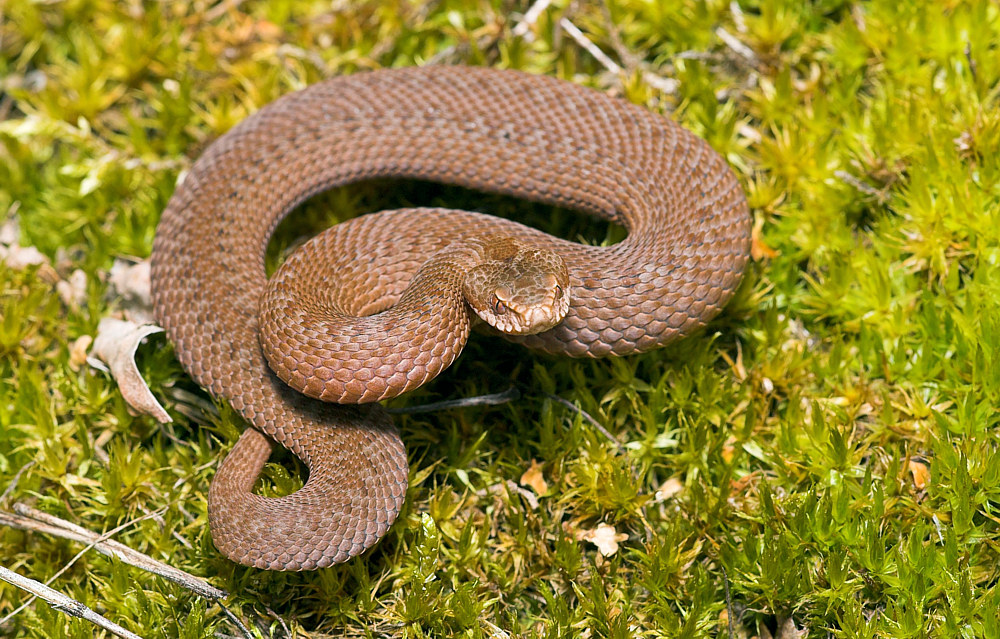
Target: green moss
832 438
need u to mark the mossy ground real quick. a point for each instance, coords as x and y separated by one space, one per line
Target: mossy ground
828 447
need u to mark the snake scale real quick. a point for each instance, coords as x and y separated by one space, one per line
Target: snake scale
528 136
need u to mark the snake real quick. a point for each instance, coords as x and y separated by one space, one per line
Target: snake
356 315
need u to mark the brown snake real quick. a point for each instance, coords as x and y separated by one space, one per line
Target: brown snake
507 132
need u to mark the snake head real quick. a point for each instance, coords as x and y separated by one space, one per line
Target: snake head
518 289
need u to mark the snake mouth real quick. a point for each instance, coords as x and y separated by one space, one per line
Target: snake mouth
517 288
514 315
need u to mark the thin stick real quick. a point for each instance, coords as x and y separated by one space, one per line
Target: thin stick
591 48
738 20
284 626
971 60
633 61
31 519
221 9
729 601
665 85
13 483
593 422
512 487
493 399
239 624
530 18
54 521
738 47
864 187
65 604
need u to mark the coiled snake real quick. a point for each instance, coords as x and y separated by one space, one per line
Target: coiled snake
508 132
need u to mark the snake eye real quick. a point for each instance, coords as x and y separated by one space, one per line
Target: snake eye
499 307
558 291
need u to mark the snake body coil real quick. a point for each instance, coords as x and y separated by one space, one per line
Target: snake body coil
500 131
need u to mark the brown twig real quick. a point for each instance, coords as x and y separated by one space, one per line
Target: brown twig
236 621
631 60
65 604
221 9
29 524
13 482
493 399
879 194
661 84
26 518
591 48
284 626
593 422
511 487
523 28
737 47
971 60
729 601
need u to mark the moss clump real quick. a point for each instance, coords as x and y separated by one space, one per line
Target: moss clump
827 451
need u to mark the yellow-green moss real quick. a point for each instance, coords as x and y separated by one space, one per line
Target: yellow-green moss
831 440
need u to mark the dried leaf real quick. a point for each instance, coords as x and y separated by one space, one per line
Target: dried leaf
766 385
758 248
9 230
73 290
20 257
533 479
605 537
668 489
921 473
78 351
788 630
131 282
115 345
